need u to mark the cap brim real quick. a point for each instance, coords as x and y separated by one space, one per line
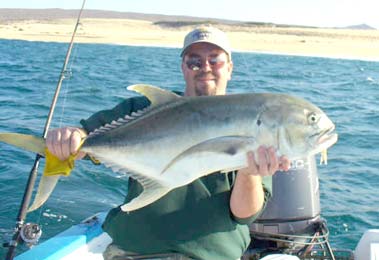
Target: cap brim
203 41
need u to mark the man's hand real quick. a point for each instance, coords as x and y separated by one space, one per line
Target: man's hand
247 196
62 142
267 164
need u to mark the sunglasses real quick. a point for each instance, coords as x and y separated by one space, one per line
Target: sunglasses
196 63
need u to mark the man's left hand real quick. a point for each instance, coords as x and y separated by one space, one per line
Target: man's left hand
265 163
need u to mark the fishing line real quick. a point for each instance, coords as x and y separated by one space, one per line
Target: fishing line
67 85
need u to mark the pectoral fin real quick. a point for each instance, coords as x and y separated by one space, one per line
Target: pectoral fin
220 150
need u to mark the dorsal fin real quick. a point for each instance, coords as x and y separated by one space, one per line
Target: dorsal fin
156 95
117 123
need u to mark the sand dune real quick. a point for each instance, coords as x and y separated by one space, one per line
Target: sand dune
345 43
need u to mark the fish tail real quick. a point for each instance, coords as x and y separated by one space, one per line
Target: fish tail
53 166
45 188
27 142
36 144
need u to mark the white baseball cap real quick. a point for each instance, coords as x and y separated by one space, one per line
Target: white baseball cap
207 34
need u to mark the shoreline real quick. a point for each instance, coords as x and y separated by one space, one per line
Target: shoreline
313 42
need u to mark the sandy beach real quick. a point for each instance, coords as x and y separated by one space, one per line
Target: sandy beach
339 43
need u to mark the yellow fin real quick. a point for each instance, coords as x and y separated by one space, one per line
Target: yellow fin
54 166
156 95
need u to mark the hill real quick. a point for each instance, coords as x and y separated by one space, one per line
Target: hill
361 27
111 27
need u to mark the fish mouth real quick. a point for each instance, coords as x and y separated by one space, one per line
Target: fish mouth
327 136
326 139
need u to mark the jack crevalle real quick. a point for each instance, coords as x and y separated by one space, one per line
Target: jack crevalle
179 139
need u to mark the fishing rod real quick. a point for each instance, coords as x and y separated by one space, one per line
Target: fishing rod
30 232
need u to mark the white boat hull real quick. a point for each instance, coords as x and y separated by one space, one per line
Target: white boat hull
87 240
84 241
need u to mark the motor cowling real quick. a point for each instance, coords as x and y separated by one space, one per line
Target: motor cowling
295 201
291 223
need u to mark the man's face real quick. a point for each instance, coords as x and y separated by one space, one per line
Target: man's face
206 69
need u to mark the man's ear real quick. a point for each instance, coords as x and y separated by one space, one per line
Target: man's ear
230 69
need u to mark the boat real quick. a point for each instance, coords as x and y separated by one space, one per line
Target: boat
284 230
85 240
291 226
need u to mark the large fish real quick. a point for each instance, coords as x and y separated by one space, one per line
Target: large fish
179 139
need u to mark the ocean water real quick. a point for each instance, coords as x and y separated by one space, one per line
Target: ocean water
348 90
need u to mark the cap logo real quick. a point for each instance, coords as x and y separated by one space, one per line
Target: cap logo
201 35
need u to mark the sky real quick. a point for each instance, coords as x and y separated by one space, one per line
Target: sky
323 13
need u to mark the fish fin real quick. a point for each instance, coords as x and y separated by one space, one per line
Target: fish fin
45 188
94 160
156 95
221 148
37 144
117 123
53 168
152 191
27 142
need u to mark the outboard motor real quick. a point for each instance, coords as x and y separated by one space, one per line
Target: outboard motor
291 221
295 201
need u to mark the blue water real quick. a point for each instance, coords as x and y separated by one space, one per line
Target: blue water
348 90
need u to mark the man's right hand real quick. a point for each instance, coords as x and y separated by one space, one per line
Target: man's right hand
62 142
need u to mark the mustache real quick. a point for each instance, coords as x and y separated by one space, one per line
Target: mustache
203 75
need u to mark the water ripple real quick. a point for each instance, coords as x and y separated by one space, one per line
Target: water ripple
346 89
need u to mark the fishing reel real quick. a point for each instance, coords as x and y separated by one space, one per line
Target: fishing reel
30 233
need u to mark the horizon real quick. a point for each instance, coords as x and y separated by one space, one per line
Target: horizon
321 13
196 17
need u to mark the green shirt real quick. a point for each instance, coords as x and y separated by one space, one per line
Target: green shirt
194 220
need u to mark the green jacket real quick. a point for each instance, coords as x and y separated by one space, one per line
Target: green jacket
194 220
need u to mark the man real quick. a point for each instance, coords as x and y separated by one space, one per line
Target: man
207 218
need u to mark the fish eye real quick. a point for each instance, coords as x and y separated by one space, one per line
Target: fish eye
313 118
